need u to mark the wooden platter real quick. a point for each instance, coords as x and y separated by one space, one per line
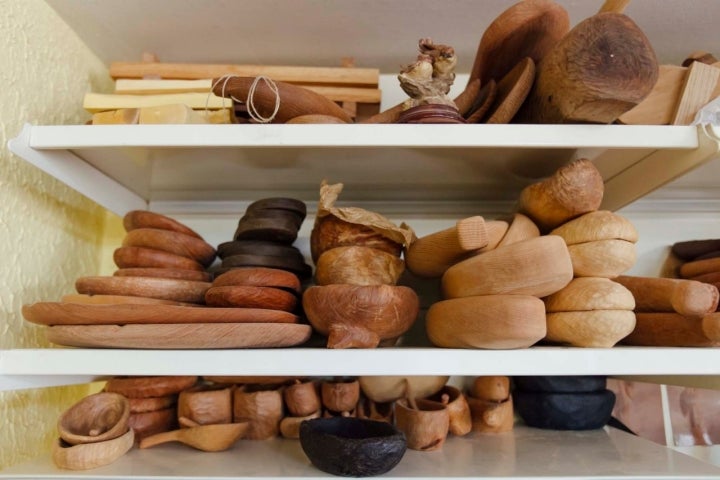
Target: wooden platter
181 335
57 313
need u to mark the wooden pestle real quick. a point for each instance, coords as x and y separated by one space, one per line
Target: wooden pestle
686 297
431 255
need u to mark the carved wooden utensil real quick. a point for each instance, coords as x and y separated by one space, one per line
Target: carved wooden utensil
91 455
208 438
530 28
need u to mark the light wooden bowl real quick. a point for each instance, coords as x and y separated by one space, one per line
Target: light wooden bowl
358 266
360 316
599 225
488 321
96 418
91 455
331 232
602 258
388 388
597 328
590 293
539 267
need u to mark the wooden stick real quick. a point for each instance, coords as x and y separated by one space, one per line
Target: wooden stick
360 77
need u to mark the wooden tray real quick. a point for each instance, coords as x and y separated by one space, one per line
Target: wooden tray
58 313
181 335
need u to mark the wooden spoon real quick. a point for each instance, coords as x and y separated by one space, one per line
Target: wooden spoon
208 438
530 28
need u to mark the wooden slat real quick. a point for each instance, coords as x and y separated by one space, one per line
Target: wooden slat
98 102
361 77
699 85
154 87
659 106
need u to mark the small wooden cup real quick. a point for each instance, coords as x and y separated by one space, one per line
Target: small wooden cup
425 427
341 396
458 409
491 417
206 405
262 406
491 388
302 398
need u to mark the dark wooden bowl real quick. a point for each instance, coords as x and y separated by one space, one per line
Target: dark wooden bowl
565 411
561 384
352 447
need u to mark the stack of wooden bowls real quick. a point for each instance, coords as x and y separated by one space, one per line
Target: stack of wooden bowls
264 288
356 301
160 258
591 311
265 236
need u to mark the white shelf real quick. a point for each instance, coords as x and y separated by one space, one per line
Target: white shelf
525 453
132 166
26 368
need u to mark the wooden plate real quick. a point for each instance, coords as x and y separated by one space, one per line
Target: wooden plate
181 335
55 313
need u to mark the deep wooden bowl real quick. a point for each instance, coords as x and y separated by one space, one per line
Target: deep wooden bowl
331 232
360 316
352 447
96 418
565 411
358 266
251 297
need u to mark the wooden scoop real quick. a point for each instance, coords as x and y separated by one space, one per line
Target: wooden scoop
208 438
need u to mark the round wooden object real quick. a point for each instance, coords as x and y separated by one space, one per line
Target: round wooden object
590 293
206 405
433 113
91 455
539 267
596 329
699 267
162 288
686 297
274 216
95 418
140 257
426 427
280 203
280 230
83 299
173 242
301 398
175 273
358 266
340 396
360 316
602 258
145 219
144 387
691 249
251 297
258 277
331 232
291 264
489 416
150 404
513 89
256 247
599 225
488 321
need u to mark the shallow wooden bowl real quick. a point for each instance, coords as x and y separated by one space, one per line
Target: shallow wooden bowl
173 242
91 455
539 267
360 316
141 257
388 388
251 297
95 418
488 321
598 225
602 258
258 277
590 293
331 232
358 266
351 446
162 288
596 328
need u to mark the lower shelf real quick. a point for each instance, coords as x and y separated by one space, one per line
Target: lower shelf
524 453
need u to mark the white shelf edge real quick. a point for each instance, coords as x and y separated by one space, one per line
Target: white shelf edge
364 135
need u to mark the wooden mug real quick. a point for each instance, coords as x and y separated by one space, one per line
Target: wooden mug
458 409
262 406
302 398
491 417
340 396
206 405
425 424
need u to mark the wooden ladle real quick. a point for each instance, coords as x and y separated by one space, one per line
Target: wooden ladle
208 438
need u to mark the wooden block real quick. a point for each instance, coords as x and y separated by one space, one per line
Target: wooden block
171 114
659 106
697 91
360 77
123 116
98 102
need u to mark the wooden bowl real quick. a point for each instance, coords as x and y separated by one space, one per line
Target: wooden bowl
602 258
331 232
387 388
565 411
149 423
146 219
95 418
258 277
85 456
144 387
358 266
489 416
341 396
173 242
352 447
262 407
175 273
539 267
590 293
494 388
599 225
489 321
360 316
425 425
141 257
251 297
596 328
302 398
206 405
458 409
561 383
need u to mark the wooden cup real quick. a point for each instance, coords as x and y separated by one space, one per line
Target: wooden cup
458 409
491 388
341 396
425 427
491 417
206 405
260 405
301 398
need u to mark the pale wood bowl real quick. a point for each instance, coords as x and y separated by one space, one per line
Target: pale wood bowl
488 321
360 316
91 455
388 388
590 293
358 266
96 418
597 328
602 258
206 405
598 225
539 266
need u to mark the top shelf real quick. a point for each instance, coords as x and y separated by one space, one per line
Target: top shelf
124 167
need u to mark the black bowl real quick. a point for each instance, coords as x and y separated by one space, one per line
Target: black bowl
564 384
352 447
565 411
